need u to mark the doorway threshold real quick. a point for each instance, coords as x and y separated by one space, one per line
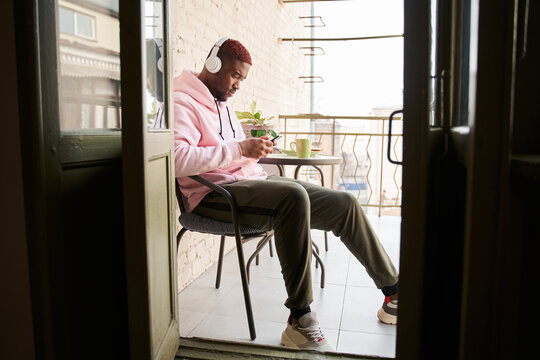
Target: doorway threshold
209 349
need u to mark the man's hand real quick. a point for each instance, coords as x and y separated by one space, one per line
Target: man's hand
256 147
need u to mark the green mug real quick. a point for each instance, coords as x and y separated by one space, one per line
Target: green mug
302 147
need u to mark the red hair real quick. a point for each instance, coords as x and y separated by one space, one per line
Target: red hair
234 50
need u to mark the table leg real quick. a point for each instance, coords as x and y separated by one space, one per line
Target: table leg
297 170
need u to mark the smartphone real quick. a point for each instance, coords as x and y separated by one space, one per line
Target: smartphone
275 138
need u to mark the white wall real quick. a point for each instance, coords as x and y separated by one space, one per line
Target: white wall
272 81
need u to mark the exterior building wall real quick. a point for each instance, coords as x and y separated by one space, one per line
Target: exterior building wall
272 81
106 27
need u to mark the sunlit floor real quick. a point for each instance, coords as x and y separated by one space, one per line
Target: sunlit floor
346 307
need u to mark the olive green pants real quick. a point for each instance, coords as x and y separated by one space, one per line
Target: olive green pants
292 207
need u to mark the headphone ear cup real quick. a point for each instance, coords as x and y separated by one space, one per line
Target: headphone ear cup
213 64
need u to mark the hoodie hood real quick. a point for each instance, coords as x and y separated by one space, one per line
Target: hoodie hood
188 83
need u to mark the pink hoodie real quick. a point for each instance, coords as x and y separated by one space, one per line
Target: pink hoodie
198 147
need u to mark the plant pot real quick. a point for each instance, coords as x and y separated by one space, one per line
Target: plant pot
255 130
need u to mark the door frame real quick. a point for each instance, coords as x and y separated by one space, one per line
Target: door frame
492 263
415 178
50 193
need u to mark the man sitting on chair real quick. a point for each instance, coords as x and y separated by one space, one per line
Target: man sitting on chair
209 142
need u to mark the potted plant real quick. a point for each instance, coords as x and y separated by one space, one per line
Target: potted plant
253 124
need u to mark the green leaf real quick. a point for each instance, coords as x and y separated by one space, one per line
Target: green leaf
243 115
269 118
273 133
257 116
253 107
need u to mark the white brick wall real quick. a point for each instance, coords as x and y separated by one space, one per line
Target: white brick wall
272 81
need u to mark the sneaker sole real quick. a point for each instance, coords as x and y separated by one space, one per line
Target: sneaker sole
285 341
386 318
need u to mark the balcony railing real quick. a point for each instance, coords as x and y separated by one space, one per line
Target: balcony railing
362 142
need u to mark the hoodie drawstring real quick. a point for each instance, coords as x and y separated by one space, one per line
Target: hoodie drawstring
230 122
221 124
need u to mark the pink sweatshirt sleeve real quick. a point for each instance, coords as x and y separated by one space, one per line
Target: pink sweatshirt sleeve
190 158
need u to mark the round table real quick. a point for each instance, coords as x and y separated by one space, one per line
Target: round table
282 159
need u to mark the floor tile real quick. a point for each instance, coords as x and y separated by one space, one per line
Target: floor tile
267 300
201 298
208 278
332 336
267 268
328 303
367 344
202 295
189 320
236 329
336 269
360 311
358 275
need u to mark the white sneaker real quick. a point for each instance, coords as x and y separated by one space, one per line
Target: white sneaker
305 334
388 311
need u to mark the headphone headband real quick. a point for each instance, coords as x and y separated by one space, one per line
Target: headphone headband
221 41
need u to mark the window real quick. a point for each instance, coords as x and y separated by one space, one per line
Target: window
76 23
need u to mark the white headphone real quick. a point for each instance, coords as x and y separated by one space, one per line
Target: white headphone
213 63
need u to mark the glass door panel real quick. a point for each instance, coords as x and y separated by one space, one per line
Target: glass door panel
153 35
467 62
433 62
88 48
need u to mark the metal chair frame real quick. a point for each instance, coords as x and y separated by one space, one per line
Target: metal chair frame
242 234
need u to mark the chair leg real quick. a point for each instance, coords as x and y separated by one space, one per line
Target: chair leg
326 241
317 251
220 261
270 247
255 254
318 260
245 287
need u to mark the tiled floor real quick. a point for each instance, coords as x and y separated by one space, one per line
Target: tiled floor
346 307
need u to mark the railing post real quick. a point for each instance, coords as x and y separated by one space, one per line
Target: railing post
333 149
285 134
382 166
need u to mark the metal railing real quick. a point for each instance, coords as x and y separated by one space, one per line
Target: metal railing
362 143
90 112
